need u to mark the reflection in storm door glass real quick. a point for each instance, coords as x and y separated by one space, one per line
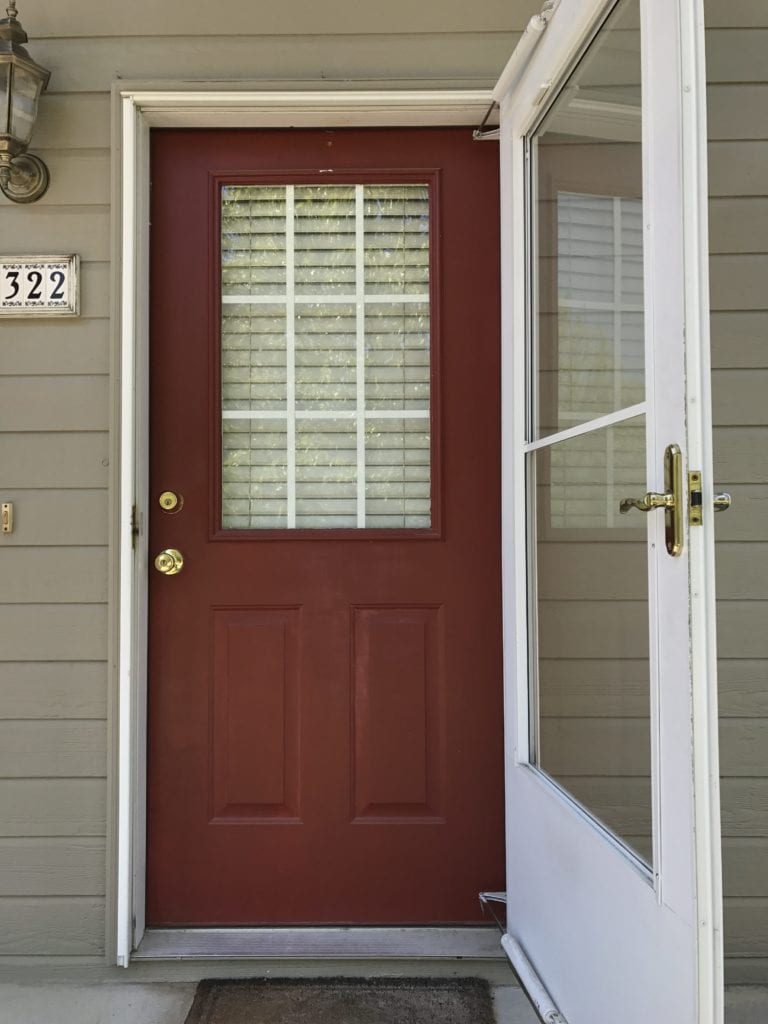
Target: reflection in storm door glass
591 678
325 347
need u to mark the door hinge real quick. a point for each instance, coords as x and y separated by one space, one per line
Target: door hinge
135 525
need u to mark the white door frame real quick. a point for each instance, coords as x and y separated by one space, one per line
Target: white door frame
138 108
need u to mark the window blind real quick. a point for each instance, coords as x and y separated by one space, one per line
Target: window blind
325 350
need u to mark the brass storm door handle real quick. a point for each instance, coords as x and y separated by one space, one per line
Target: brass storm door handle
169 562
671 501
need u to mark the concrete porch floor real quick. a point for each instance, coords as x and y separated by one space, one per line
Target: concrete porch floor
168 1003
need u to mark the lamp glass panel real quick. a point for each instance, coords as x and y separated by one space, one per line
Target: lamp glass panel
26 92
5 83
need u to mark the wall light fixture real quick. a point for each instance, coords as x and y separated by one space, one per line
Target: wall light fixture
23 177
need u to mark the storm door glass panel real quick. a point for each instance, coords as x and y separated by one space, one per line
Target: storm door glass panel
590 683
325 357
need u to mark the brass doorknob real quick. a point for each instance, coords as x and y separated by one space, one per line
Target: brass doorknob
169 562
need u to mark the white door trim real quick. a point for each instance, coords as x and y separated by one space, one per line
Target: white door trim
138 108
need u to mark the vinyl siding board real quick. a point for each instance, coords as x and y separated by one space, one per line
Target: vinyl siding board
473 59
73 121
739 339
65 403
58 518
737 55
743 687
58 229
738 281
735 14
738 168
49 632
738 397
744 807
33 867
52 749
737 111
43 690
745 867
738 226
78 346
51 926
53 460
77 178
55 575
83 18
52 807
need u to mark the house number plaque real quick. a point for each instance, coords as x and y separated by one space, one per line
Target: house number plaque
39 286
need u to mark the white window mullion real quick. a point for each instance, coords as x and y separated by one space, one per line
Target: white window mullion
290 354
360 306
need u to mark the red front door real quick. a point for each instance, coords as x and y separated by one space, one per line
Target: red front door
325 709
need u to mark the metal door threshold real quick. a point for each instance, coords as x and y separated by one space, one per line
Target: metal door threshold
473 943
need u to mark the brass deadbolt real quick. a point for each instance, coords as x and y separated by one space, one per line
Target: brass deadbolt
169 501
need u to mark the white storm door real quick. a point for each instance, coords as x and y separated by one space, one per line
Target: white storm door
613 875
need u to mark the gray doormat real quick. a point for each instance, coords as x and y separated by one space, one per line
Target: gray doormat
343 1001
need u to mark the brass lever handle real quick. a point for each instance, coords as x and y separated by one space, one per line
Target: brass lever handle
671 501
722 502
651 501
169 562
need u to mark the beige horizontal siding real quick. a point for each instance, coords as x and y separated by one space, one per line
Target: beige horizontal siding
738 168
55 575
78 346
52 749
69 689
53 460
737 112
50 632
74 121
65 403
58 518
745 867
80 229
738 225
738 339
233 18
474 59
32 867
735 14
738 282
736 55
78 177
52 807
50 926
741 455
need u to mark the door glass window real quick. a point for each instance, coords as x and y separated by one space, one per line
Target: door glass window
590 682
325 356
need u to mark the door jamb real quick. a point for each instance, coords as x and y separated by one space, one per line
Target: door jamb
138 108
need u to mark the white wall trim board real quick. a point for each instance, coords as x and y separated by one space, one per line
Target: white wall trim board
139 107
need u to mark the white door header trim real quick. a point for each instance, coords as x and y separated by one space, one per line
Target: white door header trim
326 109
